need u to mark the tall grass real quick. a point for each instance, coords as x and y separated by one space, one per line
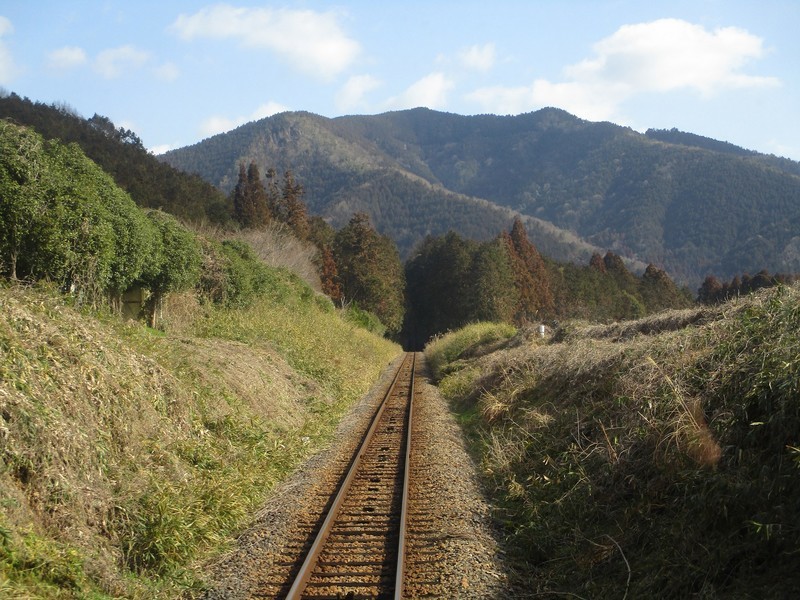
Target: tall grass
130 456
449 347
656 458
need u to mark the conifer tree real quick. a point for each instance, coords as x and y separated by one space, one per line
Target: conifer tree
370 271
239 195
257 201
494 293
250 202
296 216
329 275
531 277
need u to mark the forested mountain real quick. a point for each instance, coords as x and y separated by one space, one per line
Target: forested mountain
690 205
150 182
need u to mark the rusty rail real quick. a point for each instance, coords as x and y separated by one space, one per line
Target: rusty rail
369 536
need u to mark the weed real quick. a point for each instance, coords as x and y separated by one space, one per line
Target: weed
652 458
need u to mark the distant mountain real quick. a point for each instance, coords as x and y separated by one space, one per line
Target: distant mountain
691 205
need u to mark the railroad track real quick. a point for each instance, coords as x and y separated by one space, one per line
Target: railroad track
358 551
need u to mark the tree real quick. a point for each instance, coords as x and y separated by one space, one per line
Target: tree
250 201
710 291
177 263
535 298
370 271
296 215
21 200
438 287
494 294
659 292
329 275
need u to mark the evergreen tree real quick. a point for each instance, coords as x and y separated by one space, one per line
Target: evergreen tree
494 292
329 275
711 290
659 292
531 277
257 198
370 271
296 216
439 290
250 201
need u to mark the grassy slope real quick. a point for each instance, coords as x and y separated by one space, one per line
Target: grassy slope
656 458
129 456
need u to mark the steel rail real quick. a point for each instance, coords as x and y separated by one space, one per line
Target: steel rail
401 545
306 570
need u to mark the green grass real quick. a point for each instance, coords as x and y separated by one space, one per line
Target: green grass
449 347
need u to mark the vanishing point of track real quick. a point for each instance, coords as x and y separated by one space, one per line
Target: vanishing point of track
359 550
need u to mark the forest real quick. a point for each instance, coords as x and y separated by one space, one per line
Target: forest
691 205
69 219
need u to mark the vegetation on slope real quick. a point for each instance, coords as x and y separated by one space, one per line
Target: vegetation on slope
453 281
150 182
129 456
689 205
650 458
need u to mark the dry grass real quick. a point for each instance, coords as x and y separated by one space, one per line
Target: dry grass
132 452
652 458
279 248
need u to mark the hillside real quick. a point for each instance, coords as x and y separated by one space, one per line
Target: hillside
687 204
130 456
645 459
150 182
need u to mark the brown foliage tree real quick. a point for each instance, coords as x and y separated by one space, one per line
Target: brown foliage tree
531 277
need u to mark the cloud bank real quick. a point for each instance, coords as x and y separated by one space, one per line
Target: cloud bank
660 56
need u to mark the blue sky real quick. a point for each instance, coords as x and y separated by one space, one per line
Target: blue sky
176 72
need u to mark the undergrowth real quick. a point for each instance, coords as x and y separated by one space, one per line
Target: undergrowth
656 458
128 456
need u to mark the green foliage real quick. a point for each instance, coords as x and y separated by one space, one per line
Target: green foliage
606 291
137 458
370 271
690 206
21 169
364 319
119 152
438 279
177 267
75 226
493 288
245 276
33 563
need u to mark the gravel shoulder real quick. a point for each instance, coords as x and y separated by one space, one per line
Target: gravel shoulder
468 562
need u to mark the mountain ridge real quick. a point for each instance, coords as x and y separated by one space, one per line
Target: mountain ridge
688 204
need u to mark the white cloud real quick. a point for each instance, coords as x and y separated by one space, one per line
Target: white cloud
8 70
167 72
479 58
661 56
114 62
671 54
352 94
220 124
67 57
430 91
162 148
311 41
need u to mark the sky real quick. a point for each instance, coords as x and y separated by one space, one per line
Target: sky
178 71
